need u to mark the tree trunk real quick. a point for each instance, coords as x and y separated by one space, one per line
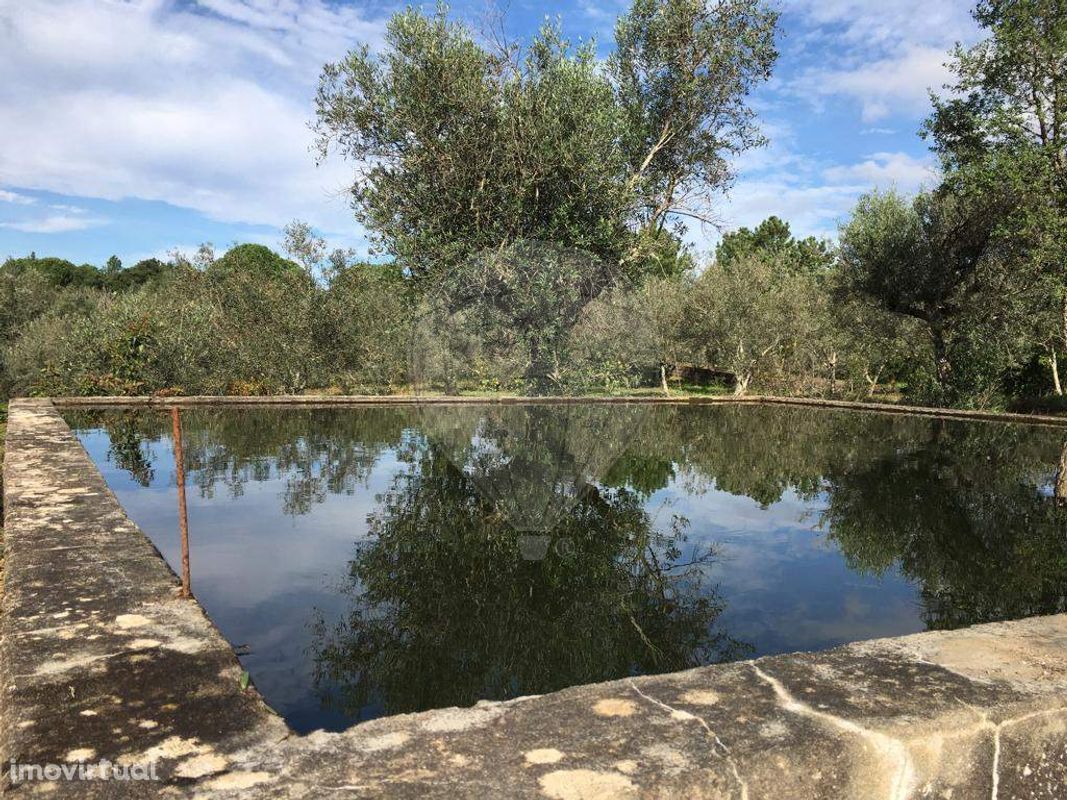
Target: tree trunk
663 379
1063 313
872 381
742 383
1056 385
1060 487
833 374
941 362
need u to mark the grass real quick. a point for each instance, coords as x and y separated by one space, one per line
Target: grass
678 391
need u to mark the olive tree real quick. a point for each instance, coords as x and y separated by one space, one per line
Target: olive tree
935 259
463 152
1003 129
757 319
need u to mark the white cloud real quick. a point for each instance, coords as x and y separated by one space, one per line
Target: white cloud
56 223
810 209
884 170
16 198
893 85
203 106
886 56
888 25
814 199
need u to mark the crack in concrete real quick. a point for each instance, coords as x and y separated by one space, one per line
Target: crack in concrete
683 714
997 728
996 762
893 751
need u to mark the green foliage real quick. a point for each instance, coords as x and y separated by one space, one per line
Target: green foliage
57 271
145 271
682 72
772 238
938 260
368 311
468 157
531 203
1001 132
628 334
254 260
469 149
249 322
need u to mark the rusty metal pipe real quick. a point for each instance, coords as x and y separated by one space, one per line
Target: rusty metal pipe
183 515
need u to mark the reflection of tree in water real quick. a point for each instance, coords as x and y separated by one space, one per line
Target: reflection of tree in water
130 452
970 515
533 461
975 513
446 612
317 452
967 510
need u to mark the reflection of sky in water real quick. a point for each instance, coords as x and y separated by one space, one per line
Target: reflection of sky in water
787 588
265 576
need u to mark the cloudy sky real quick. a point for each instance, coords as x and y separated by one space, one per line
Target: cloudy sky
137 126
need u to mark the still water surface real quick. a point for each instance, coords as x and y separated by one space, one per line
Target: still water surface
373 561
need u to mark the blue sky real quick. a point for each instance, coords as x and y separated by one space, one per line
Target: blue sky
135 127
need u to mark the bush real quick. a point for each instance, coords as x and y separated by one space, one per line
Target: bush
367 326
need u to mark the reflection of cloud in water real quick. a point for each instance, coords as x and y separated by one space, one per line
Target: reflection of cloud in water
274 550
788 587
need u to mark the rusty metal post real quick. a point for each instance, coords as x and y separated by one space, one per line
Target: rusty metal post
183 517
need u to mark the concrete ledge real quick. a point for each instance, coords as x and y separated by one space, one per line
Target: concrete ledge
99 659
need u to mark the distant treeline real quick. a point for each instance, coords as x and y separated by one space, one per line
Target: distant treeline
770 312
250 321
58 272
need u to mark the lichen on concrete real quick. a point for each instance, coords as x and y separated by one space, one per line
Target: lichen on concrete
99 659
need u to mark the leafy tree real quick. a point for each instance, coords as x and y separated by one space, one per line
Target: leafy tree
683 70
145 271
773 238
876 346
756 318
57 271
626 332
252 259
469 149
930 259
1002 130
368 311
467 153
304 245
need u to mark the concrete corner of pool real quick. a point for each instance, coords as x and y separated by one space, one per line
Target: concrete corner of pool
114 686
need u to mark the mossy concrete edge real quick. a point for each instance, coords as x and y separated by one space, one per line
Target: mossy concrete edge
100 659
